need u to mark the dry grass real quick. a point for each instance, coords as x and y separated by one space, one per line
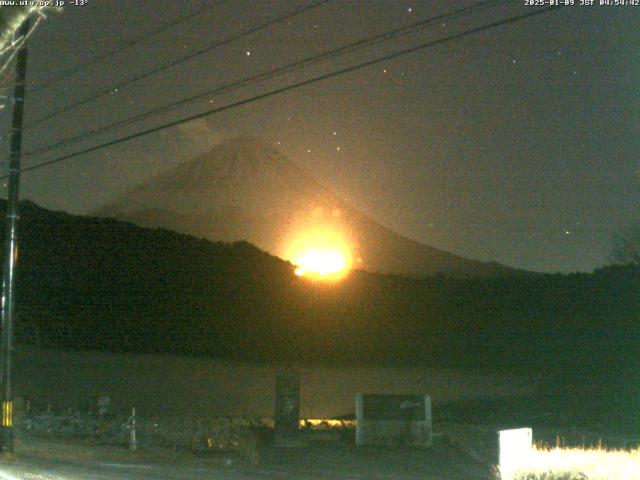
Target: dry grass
543 463
225 435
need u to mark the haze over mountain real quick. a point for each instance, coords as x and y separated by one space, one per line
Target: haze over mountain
244 189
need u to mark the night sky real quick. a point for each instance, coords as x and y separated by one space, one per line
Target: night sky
518 144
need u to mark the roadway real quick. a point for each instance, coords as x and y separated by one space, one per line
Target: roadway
317 463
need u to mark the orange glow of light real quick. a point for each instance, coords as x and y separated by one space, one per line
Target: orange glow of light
321 262
320 254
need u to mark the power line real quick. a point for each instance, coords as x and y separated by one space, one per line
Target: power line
362 43
173 63
16 41
293 86
141 38
297 85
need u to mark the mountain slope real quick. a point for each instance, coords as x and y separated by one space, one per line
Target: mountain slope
246 190
93 283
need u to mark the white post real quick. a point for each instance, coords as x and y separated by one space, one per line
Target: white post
133 445
515 448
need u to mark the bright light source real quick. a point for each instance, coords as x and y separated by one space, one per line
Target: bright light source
321 262
596 463
320 253
515 450
326 423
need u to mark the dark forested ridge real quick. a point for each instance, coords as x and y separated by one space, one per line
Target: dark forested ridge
92 283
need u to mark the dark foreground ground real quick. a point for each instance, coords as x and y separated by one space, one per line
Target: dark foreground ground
38 459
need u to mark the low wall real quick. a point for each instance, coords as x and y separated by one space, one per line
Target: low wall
174 385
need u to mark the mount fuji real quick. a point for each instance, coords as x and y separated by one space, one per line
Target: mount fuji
244 189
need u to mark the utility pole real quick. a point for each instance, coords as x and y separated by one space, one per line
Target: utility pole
11 244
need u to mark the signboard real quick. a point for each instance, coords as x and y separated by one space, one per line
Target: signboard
393 419
394 407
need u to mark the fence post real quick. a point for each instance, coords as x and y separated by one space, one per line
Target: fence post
133 444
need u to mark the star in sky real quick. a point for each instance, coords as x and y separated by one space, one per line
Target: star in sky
456 138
